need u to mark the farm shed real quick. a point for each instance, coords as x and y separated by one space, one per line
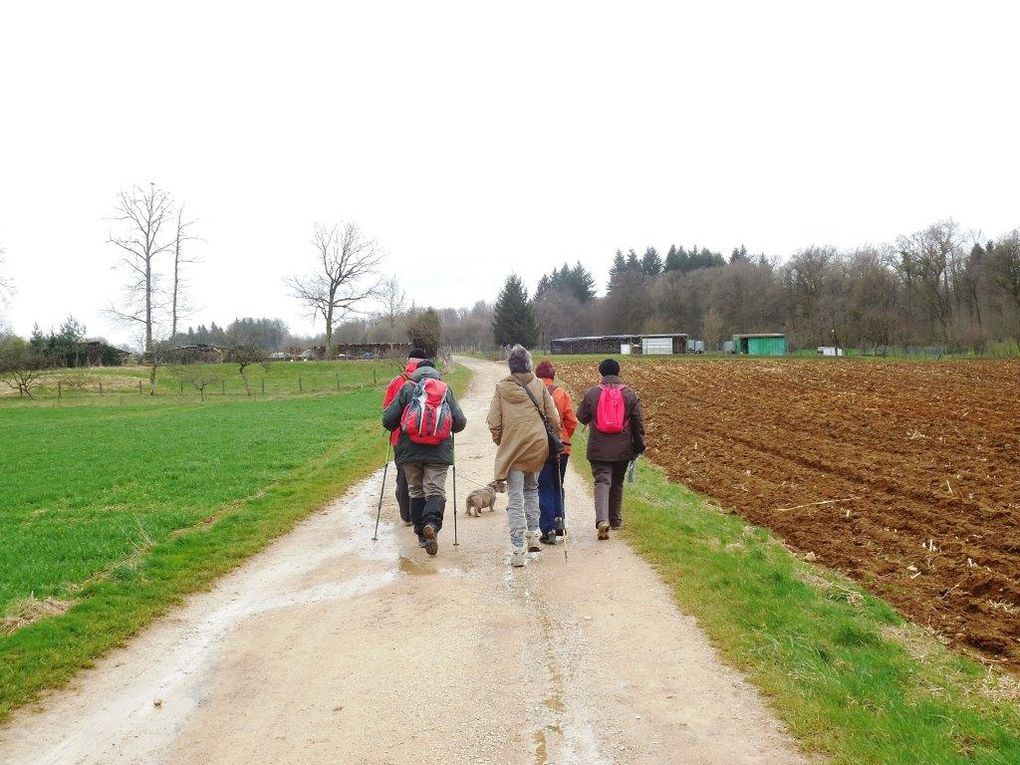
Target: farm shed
760 344
664 344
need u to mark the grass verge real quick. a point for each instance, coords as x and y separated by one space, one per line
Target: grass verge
849 677
110 516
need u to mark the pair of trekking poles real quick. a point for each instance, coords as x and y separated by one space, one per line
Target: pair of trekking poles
382 493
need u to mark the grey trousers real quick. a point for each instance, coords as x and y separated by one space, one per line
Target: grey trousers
609 478
522 505
425 479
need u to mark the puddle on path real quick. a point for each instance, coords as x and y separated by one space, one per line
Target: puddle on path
414 568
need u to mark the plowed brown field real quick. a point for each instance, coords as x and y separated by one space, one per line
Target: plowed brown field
904 475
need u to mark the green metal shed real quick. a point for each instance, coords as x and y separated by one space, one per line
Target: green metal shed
760 344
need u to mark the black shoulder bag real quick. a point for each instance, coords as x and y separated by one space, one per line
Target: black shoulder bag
555 444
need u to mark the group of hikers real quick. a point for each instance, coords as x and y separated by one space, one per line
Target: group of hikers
531 420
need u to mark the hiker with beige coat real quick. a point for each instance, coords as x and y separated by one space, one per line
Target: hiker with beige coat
517 424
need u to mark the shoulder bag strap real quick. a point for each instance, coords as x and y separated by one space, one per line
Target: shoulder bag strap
541 412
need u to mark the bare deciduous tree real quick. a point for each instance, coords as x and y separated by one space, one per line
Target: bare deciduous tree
198 376
176 296
394 304
1006 271
6 285
246 355
22 368
347 263
144 216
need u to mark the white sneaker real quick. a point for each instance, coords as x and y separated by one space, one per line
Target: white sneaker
532 539
517 558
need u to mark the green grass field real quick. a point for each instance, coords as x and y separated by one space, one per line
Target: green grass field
841 668
115 507
121 385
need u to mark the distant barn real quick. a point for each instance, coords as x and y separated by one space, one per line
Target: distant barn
667 344
760 344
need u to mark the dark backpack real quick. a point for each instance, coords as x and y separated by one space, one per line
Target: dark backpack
427 418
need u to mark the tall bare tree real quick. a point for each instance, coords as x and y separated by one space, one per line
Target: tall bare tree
1006 271
6 285
144 217
176 296
394 304
344 276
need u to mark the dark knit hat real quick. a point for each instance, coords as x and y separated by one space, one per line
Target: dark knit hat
609 368
545 370
417 353
519 359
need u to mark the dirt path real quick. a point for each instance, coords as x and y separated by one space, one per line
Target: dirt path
327 648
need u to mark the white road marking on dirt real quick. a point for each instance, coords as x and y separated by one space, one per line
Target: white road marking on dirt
330 648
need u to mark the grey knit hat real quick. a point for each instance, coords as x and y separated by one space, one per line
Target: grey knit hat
519 359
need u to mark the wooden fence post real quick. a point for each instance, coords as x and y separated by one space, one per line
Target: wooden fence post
223 387
139 387
100 387
337 382
263 386
300 386
60 391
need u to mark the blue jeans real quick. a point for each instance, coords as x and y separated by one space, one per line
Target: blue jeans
522 504
550 496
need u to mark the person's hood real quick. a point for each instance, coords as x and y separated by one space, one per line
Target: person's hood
412 364
422 372
511 390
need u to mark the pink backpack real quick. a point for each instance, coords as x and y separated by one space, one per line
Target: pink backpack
611 412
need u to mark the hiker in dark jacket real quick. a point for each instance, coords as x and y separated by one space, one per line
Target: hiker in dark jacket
415 357
610 453
424 465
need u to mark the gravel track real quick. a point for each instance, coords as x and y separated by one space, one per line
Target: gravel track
329 648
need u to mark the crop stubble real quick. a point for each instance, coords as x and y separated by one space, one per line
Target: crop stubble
923 458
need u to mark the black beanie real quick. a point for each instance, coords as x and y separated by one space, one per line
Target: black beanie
609 368
417 353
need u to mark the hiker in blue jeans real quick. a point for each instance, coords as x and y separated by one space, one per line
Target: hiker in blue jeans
550 480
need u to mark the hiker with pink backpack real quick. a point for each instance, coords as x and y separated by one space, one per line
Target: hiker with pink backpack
425 415
615 439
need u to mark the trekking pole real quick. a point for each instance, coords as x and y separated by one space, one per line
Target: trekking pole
453 441
563 504
382 489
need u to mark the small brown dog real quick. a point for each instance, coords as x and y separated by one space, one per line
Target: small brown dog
483 498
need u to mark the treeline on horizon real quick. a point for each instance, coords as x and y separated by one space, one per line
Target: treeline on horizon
939 287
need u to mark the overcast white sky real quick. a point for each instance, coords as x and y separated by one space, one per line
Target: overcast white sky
474 139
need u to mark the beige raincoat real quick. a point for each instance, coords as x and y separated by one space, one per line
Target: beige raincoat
516 425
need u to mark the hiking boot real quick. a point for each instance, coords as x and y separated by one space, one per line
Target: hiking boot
548 538
517 557
603 529
616 526
430 544
532 537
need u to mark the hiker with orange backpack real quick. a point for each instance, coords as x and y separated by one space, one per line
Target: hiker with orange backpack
616 438
550 480
425 415
415 357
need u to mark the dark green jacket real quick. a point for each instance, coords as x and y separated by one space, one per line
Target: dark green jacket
407 450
